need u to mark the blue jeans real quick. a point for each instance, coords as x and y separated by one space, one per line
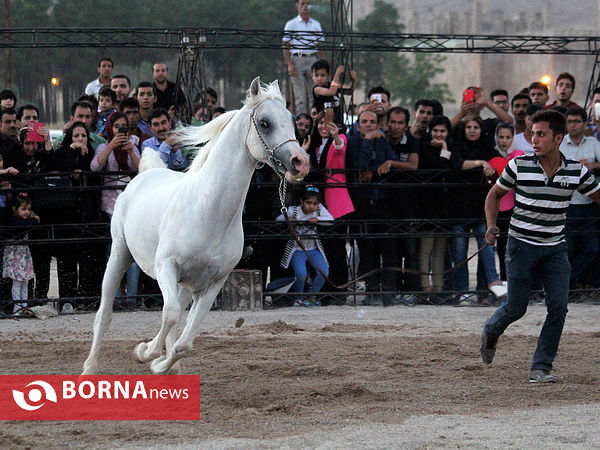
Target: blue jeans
460 246
299 260
133 277
523 261
582 248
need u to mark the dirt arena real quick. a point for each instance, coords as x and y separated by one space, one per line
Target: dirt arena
333 377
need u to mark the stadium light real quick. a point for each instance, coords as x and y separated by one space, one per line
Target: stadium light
54 81
545 79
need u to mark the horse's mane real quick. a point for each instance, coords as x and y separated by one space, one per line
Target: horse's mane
207 134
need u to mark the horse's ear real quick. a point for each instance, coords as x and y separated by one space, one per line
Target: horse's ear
255 87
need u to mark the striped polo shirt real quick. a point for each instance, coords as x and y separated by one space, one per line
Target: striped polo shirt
541 203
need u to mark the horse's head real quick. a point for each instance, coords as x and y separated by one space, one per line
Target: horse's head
272 137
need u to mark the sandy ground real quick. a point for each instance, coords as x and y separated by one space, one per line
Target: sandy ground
333 377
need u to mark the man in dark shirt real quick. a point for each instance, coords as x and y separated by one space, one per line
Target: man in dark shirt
166 90
371 153
406 148
9 145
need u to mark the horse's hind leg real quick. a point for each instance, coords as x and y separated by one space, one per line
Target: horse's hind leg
184 344
166 275
118 262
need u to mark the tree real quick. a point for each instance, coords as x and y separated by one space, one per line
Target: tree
408 78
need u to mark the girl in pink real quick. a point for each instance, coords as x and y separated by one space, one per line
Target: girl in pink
17 263
505 135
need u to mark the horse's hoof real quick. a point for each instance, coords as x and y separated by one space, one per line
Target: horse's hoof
89 369
159 366
139 351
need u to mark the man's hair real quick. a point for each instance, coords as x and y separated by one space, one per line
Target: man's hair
438 108
556 121
399 110
106 58
498 92
538 85
520 96
157 63
321 64
80 104
566 76
24 107
576 111
424 102
6 94
106 91
596 91
129 102
122 76
363 112
532 109
210 91
7 111
379 90
146 84
560 109
220 109
156 113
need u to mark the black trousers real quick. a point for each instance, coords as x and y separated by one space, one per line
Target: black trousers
374 248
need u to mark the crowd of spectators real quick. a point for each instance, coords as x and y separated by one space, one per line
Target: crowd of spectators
406 164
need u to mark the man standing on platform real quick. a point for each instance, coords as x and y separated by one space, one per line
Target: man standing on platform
301 49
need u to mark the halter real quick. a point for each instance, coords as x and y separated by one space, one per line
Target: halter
273 160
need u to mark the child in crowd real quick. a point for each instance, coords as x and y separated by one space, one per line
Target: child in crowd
18 264
312 211
325 92
8 99
107 98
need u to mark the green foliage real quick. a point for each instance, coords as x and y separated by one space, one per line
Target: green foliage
408 78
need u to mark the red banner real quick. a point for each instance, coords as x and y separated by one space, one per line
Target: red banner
99 397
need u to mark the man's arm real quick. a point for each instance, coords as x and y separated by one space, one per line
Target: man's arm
492 205
595 196
288 59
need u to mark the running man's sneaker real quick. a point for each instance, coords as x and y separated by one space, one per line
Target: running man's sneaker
488 347
541 376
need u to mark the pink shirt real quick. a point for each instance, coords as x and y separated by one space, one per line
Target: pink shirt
337 199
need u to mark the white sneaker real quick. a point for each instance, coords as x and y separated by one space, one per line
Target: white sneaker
67 308
498 288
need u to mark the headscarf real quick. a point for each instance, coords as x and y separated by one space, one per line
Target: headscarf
120 153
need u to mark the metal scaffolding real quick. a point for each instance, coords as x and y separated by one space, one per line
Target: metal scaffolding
217 38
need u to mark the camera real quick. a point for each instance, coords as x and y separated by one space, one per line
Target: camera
123 129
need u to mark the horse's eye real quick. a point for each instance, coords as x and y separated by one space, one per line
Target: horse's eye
264 124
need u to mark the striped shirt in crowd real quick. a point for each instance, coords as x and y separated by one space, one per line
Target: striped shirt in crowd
541 203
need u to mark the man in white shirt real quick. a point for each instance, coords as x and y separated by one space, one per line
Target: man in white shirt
105 68
582 248
301 49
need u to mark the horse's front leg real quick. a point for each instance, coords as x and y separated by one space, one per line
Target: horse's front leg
184 344
166 275
185 297
118 262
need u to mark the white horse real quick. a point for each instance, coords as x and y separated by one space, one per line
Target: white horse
185 229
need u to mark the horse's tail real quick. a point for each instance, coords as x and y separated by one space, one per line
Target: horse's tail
150 160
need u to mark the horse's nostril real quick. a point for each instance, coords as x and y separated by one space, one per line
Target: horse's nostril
296 162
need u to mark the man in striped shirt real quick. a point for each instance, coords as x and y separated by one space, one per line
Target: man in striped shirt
544 183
